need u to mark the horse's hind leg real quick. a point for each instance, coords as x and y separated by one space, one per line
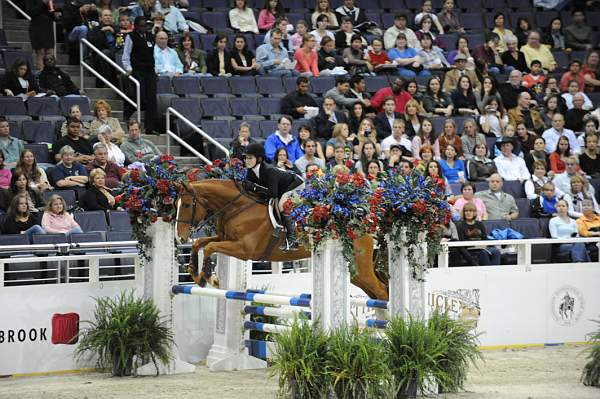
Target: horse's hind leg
192 268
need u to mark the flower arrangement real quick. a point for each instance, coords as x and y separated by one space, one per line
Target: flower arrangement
410 209
333 206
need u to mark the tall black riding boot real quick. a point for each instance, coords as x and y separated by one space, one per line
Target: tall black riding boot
291 243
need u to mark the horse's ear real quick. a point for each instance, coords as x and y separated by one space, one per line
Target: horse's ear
179 187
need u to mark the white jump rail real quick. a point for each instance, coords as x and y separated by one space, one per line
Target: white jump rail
27 17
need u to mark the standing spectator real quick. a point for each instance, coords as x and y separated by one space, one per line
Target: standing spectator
489 52
5 173
282 138
427 11
307 58
295 103
272 10
97 197
510 166
460 69
166 60
272 56
138 60
578 35
193 60
241 18
463 98
558 129
322 7
112 172
243 60
57 220
218 60
320 31
562 226
41 28
499 205
435 101
479 166
328 118
137 149
406 58
102 112
28 165
400 26
114 153
471 229
534 50
502 32
396 90
453 168
81 146
239 144
384 121
522 113
450 19
19 218
20 81
555 37
11 147
513 58
54 81
470 138
69 173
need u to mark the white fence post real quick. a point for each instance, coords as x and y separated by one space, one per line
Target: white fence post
330 301
228 351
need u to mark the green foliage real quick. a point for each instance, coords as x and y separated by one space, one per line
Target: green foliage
300 359
126 332
462 349
591 371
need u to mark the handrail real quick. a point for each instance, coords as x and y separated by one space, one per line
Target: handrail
27 17
66 245
196 129
83 64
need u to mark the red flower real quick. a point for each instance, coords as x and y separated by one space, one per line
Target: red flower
320 213
208 168
135 175
342 178
358 180
349 163
118 198
351 234
154 218
163 186
419 207
167 200
234 162
287 206
166 158
192 174
217 163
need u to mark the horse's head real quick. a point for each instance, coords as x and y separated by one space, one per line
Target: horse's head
190 211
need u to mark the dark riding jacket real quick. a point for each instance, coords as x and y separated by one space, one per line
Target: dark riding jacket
275 180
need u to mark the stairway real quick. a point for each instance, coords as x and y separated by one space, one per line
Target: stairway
17 34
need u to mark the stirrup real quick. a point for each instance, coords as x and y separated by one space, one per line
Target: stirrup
287 246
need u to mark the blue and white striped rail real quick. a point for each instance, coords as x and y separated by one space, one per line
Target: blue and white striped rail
285 312
240 295
373 323
368 303
280 293
265 327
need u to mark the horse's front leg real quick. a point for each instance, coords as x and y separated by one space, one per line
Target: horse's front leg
192 267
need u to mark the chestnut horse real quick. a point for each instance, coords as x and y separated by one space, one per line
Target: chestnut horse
244 230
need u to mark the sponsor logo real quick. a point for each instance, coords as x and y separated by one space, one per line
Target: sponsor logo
23 335
567 305
461 304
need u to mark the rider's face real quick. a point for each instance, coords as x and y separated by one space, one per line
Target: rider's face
250 161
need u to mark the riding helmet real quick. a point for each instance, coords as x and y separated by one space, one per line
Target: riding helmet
256 150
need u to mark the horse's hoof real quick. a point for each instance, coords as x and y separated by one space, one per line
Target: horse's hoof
214 281
201 280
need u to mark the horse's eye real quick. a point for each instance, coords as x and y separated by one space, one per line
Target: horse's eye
186 205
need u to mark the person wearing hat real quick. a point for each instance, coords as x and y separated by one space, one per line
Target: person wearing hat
274 183
510 166
460 69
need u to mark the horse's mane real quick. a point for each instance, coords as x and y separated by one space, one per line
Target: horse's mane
232 184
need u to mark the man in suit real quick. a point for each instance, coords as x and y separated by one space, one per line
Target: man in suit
384 121
460 69
327 119
274 183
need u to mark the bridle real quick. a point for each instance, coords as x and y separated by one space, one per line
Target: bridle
195 201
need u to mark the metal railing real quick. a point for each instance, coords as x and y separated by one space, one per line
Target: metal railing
197 130
83 64
27 17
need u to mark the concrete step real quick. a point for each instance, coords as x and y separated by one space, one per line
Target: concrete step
175 150
17 35
105 93
159 140
25 46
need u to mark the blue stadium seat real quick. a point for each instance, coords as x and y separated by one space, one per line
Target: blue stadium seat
49 239
14 127
468 5
82 101
215 85
294 4
14 239
455 187
68 195
37 106
186 85
520 5
322 84
481 186
217 20
387 20
244 106
269 106
39 131
294 17
514 188
494 4
267 127
243 85
188 107
475 39
214 4
269 84
119 221
207 41
213 107
92 236
216 128
472 21
119 236
529 227
495 224
163 85
524 207
254 128
375 83
41 152
289 84
392 5
374 17
91 220
11 56
12 106
448 40
414 6
543 18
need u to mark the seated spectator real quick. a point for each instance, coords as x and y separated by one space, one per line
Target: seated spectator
19 184
432 57
367 154
218 60
551 89
534 50
589 159
366 133
406 58
493 118
354 57
112 172
534 80
322 7
338 94
343 37
525 138
522 30
37 176
396 90
5 174
102 112
425 27
397 137
57 220
503 33
511 90
241 18
339 157
453 76
471 229
384 121
306 57
487 91
286 39
97 197
425 156
82 147
320 32
375 174
358 89
425 136
576 195
137 149
11 147
282 137
174 19
359 18
427 11
340 137
53 81
578 35
533 186
573 74
462 47
453 168
591 70
357 114
192 59
309 157
449 18
468 191
544 205
413 112
19 81
499 205
510 166
305 133
273 57
562 226
522 113
75 113
166 60
554 104
295 103
514 59
449 136
463 98
272 10
554 37
562 181
570 96
328 118
435 100
20 219
281 161
104 37
237 147
328 57
400 27
588 225
479 166
553 134
243 60
575 117
489 52
470 138
297 38
68 173
114 152
378 57
560 156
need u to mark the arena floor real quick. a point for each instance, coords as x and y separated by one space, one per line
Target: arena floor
524 373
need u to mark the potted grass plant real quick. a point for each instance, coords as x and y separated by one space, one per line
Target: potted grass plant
126 332
591 370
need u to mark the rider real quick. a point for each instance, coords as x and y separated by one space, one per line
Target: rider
264 179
